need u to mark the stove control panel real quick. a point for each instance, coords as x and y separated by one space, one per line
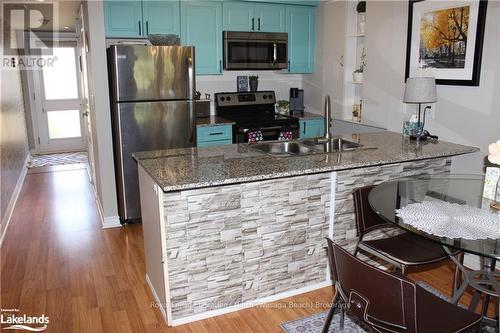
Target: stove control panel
244 98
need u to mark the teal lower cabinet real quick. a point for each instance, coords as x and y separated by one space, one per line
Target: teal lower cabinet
201 27
208 136
311 128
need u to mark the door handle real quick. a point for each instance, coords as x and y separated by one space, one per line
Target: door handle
275 53
140 33
258 23
253 23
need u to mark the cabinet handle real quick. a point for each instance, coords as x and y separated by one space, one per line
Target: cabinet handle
147 27
288 65
220 66
216 133
258 23
140 32
253 23
305 124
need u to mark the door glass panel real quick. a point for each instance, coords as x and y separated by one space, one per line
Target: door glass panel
64 124
59 80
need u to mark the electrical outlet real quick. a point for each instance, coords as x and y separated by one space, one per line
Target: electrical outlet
431 110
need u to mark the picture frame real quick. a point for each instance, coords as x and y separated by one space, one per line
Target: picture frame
242 83
445 40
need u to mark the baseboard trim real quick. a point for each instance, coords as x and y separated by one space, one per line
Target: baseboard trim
111 222
106 221
13 198
249 304
157 299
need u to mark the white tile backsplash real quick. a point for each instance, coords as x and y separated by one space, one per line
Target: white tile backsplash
280 82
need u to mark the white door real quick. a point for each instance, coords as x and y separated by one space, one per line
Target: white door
60 125
82 52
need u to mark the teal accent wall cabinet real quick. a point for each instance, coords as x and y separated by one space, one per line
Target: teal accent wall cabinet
123 18
311 128
137 19
201 26
301 28
208 136
248 16
161 17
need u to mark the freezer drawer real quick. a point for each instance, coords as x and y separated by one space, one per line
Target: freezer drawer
143 127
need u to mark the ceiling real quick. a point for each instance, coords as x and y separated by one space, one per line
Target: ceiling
60 17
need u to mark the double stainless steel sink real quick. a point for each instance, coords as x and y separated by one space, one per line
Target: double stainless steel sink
306 147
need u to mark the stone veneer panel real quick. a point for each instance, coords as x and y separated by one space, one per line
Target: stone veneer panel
231 244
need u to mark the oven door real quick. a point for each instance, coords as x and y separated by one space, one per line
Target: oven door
241 54
269 133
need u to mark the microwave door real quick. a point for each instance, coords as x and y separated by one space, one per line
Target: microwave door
240 54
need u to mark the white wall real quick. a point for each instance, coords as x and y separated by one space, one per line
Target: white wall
100 113
466 115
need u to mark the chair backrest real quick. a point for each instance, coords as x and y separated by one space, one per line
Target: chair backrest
366 218
379 298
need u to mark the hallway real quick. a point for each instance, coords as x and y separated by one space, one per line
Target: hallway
57 260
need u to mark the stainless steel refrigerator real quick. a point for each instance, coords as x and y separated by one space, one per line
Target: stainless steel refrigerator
152 96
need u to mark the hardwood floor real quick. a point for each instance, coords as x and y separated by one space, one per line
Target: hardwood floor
56 260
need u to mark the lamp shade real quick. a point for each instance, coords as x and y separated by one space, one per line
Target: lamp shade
420 90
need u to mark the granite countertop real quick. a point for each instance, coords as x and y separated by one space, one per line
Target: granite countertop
190 168
213 121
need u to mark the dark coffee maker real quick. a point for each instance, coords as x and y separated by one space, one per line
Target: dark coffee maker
296 100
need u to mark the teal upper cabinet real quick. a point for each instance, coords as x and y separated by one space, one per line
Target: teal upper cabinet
201 26
301 28
248 16
271 18
161 17
238 16
123 18
135 19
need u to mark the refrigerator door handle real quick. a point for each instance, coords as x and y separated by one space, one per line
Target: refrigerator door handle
191 88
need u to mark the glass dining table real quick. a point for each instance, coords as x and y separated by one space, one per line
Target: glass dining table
389 198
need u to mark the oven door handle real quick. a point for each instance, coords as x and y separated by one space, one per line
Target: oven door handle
266 129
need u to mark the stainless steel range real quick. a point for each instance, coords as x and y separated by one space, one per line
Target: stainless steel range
254 111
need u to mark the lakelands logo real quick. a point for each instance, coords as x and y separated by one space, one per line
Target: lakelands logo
28 33
23 322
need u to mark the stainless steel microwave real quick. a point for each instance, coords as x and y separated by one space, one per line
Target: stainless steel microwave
255 50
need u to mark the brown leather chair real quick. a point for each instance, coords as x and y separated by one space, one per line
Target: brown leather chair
390 302
403 250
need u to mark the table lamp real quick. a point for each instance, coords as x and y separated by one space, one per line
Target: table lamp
420 90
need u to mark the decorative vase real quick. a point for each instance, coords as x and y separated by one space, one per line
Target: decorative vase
254 84
357 77
361 23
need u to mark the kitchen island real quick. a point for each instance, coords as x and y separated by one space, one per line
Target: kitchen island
229 227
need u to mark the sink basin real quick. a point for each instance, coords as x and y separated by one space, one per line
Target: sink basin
284 148
332 145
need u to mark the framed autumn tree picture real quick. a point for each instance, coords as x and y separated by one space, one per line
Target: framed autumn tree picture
445 40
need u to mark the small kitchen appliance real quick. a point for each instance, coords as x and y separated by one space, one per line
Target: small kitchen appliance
296 100
252 113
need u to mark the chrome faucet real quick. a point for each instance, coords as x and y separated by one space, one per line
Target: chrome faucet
328 117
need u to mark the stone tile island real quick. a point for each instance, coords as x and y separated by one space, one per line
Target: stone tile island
228 227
